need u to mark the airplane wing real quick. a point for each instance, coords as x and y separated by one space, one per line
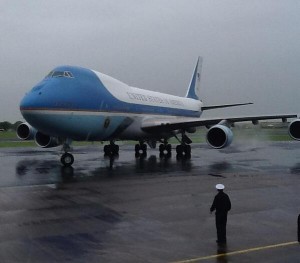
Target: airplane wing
224 106
167 125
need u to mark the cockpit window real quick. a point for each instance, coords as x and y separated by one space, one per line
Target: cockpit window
49 75
57 74
60 74
68 74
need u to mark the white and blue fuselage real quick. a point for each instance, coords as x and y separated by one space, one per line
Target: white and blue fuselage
82 104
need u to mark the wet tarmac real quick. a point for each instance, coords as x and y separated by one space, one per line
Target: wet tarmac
149 209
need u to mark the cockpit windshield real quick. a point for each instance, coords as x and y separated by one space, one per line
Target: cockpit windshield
60 74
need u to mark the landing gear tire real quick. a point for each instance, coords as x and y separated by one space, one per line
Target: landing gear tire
179 150
140 150
116 149
187 150
67 159
106 150
111 150
183 150
165 150
169 149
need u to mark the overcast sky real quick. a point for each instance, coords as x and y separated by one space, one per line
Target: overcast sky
251 49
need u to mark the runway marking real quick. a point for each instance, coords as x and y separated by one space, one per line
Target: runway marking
238 252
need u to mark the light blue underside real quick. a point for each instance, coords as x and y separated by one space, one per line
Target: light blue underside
77 127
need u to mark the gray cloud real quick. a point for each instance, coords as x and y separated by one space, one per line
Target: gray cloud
250 48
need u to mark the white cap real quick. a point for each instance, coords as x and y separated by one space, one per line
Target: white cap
220 186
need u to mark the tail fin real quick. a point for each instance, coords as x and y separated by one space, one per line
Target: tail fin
194 87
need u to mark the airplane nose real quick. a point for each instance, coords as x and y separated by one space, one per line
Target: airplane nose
30 100
33 99
33 103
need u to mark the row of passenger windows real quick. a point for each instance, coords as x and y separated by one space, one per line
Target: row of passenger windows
59 74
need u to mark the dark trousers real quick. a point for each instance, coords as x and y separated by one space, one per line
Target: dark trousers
221 221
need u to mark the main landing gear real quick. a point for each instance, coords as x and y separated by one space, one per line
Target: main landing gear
165 149
183 150
111 149
140 150
67 159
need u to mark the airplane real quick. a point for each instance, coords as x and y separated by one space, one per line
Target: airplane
78 104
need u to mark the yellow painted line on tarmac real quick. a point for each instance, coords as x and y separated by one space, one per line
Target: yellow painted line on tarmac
238 252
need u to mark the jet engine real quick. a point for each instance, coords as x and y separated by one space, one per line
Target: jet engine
294 129
25 131
46 141
219 136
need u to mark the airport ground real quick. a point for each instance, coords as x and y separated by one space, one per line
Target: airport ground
151 209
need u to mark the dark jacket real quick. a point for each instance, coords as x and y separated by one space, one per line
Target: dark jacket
221 203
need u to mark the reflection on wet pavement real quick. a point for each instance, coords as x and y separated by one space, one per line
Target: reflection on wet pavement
150 209
39 167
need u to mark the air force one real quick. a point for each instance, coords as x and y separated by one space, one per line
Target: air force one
78 104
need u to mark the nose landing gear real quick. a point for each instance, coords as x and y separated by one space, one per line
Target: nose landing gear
67 159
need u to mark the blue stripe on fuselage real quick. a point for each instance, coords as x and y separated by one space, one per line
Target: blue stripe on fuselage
86 92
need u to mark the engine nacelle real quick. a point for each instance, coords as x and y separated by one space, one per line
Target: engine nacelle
219 136
294 129
46 141
25 131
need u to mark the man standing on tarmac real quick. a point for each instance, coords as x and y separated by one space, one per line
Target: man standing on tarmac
222 205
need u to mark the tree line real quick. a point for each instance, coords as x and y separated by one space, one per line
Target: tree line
6 126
